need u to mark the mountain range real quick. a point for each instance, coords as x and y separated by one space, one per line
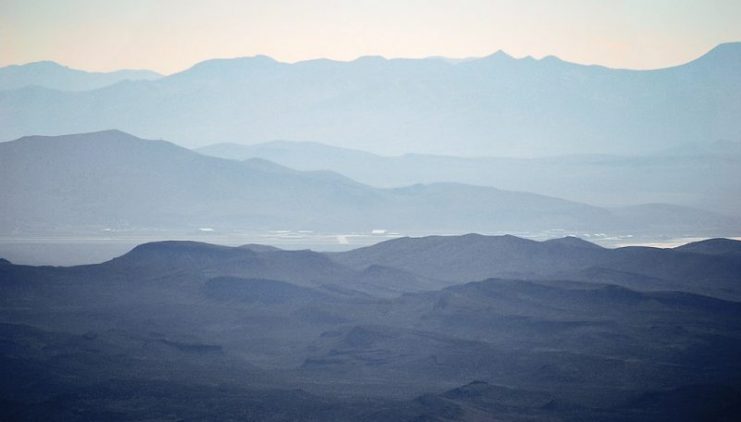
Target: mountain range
701 175
492 106
51 75
191 330
709 267
426 163
90 182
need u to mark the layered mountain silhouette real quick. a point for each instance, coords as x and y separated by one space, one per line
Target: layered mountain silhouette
110 179
193 330
494 106
432 325
701 174
420 264
236 265
51 75
696 267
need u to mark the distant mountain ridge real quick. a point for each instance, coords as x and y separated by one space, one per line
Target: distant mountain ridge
702 175
111 179
496 105
51 75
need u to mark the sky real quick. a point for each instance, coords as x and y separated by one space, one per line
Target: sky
171 35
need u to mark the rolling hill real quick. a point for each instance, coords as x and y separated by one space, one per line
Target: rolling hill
473 257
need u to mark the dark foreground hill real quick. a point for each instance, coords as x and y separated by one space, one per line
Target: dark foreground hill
713 247
709 267
110 180
179 330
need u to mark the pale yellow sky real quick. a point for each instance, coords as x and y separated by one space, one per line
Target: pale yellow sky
171 35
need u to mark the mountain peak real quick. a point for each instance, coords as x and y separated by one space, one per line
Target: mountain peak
103 137
502 54
498 56
256 247
719 246
42 64
727 48
726 55
225 68
573 241
175 246
109 133
257 59
180 254
98 135
370 59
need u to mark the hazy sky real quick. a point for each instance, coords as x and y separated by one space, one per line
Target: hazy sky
170 35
